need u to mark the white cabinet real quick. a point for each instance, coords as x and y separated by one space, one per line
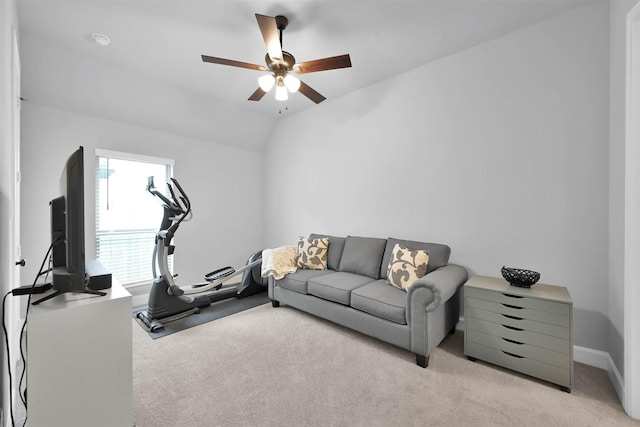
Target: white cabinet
79 360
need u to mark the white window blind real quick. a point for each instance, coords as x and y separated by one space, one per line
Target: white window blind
127 216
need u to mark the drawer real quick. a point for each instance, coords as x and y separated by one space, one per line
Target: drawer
561 332
518 363
559 345
518 300
518 312
520 349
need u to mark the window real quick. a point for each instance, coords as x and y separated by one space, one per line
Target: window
127 216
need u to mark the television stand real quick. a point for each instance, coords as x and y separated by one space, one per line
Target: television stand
79 361
56 293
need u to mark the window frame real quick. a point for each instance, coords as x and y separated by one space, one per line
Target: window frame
133 157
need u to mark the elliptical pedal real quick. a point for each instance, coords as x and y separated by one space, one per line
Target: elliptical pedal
219 273
215 275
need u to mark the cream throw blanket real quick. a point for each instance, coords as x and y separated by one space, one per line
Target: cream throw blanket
279 262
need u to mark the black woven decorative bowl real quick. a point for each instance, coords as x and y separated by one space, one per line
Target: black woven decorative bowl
520 277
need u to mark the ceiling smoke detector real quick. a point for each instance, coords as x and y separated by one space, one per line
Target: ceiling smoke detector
101 39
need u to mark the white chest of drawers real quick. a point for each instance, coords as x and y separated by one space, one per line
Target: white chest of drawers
529 330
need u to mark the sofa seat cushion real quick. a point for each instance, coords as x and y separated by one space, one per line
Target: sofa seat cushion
336 286
297 282
381 300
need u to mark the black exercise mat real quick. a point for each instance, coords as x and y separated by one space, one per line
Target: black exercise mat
215 311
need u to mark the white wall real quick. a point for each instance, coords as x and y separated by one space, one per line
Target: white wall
500 151
74 80
222 182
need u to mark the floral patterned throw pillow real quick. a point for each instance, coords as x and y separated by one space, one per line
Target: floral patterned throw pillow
406 266
312 253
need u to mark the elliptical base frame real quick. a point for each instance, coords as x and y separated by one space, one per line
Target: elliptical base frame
164 307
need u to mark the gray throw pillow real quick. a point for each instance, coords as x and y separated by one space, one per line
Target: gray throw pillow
363 255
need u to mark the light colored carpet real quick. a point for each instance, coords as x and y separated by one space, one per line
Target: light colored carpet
281 367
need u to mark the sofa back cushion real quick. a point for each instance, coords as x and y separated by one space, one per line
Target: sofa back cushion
363 255
438 254
336 247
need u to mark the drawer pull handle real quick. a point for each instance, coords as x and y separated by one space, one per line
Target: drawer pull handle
512 317
512 328
513 355
512 296
512 341
513 306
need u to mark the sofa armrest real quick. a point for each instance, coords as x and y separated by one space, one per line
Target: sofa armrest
424 298
271 283
442 283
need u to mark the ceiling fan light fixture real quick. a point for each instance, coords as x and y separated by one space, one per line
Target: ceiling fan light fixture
266 82
281 93
292 83
280 63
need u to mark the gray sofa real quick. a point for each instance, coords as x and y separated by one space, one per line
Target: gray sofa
353 292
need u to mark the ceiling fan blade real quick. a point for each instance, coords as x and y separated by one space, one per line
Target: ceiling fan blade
332 63
257 95
310 93
233 63
269 30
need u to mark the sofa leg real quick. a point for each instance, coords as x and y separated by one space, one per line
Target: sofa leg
275 303
422 361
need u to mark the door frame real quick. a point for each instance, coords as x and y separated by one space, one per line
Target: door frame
631 399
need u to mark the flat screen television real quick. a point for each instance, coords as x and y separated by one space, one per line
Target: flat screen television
67 231
67 227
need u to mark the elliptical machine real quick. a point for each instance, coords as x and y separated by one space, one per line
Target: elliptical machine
168 301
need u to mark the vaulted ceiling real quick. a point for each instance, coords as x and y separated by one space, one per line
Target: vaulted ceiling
152 74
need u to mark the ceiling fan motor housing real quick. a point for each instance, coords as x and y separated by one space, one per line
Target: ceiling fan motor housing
287 62
281 22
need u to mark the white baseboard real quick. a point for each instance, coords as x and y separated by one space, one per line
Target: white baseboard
601 359
139 300
588 356
139 294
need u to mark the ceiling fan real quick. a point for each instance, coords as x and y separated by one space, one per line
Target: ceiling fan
281 63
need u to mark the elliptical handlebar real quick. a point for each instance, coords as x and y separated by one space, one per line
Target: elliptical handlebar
173 206
179 206
183 196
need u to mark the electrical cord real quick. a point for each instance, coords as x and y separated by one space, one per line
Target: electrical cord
20 291
6 343
23 397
